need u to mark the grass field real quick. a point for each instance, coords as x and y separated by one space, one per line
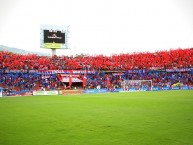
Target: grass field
140 118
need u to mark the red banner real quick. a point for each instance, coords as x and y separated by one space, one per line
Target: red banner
70 79
84 81
108 81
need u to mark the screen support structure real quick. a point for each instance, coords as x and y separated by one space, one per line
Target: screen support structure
53 51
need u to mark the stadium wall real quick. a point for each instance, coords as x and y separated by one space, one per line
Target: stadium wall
95 91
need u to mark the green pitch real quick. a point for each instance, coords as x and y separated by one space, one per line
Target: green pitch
140 118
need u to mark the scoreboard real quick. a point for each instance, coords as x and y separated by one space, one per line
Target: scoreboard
53 37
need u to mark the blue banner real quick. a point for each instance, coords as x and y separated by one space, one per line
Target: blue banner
117 90
102 91
95 91
176 88
133 89
144 89
166 88
185 87
179 70
156 88
137 71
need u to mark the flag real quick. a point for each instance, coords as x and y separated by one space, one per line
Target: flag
59 77
120 80
70 78
108 81
84 81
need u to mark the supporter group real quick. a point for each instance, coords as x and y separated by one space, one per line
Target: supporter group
32 72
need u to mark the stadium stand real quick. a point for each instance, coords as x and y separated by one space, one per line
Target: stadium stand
180 58
20 72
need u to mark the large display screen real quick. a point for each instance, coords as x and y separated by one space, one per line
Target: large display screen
53 37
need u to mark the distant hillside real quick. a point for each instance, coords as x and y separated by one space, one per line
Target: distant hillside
20 51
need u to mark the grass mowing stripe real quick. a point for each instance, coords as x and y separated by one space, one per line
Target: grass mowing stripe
140 118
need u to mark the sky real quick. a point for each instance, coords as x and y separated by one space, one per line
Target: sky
99 26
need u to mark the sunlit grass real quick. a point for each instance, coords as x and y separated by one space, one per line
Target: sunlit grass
140 118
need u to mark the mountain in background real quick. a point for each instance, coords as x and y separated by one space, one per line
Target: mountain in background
20 51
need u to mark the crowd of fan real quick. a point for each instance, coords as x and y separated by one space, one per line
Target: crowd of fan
180 58
104 67
33 81
28 81
159 79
